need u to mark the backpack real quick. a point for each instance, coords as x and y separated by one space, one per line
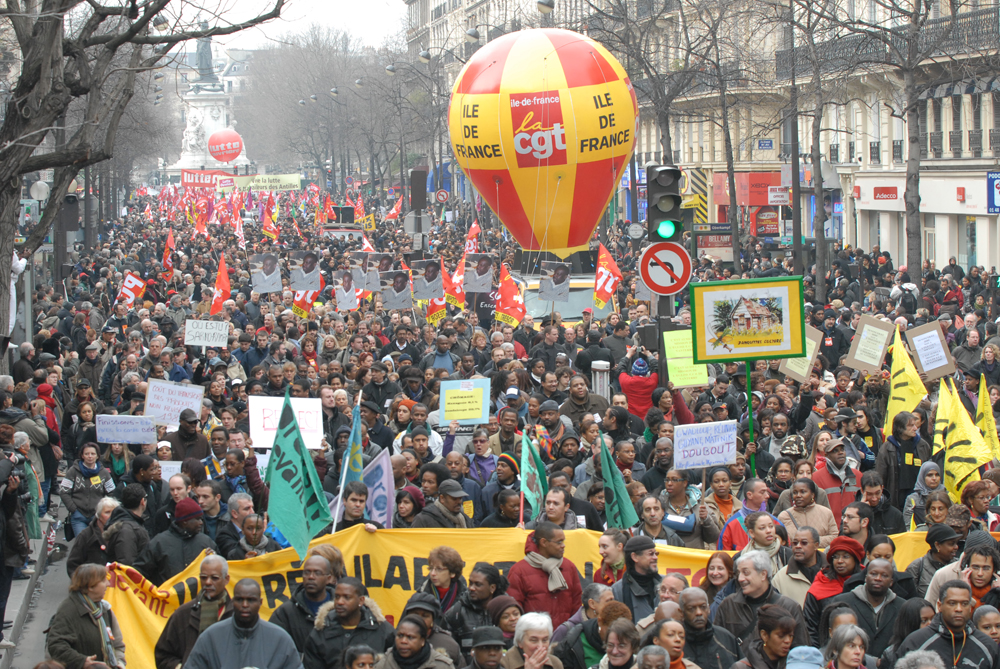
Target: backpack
908 302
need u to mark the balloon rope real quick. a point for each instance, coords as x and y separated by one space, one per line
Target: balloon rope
548 220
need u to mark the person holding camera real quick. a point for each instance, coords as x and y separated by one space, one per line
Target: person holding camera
9 506
636 380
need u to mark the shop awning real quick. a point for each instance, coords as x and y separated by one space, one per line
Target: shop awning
964 87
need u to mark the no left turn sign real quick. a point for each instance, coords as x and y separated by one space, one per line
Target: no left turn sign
665 268
441 196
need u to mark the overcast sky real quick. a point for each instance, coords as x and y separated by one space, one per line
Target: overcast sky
371 20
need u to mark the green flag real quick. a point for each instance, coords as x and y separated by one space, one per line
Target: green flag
534 485
297 503
617 503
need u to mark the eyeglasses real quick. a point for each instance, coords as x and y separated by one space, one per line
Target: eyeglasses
673 480
479 441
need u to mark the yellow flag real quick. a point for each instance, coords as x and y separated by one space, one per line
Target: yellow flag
944 421
906 389
984 418
965 452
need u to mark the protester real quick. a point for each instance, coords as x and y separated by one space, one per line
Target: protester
84 630
190 619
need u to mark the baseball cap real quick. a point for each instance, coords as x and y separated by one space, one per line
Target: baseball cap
513 391
452 489
804 657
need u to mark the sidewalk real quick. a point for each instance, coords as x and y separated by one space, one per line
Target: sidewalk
20 598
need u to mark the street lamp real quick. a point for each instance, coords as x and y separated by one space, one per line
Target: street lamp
390 70
471 35
333 92
358 83
424 56
546 6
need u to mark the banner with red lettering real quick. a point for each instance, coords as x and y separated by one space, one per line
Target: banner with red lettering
454 284
606 279
133 288
510 303
202 178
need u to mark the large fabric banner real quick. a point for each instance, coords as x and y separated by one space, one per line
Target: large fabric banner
391 563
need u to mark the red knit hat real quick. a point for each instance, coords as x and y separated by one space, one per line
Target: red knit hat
852 546
187 509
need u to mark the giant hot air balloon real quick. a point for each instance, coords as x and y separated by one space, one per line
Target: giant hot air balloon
543 124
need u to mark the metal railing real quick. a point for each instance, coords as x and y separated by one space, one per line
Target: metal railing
835 153
995 142
897 151
937 143
955 143
976 143
875 153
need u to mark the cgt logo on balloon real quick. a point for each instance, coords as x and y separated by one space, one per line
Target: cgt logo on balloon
539 133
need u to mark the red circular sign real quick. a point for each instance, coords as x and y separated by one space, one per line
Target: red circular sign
225 145
665 268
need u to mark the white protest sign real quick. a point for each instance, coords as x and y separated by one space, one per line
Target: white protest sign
168 468
126 429
705 444
265 413
205 333
165 400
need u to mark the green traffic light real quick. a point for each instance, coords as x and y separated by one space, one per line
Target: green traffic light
666 229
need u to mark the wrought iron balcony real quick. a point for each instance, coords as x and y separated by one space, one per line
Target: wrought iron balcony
976 143
995 142
875 153
937 143
835 153
955 143
966 32
897 151
923 145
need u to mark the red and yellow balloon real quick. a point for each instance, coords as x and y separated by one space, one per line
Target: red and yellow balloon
543 124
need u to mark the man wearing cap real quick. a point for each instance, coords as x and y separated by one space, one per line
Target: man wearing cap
639 588
446 511
188 441
84 393
380 390
942 542
847 428
92 365
488 645
170 552
839 480
593 352
832 343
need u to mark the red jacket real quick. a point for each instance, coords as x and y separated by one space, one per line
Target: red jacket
639 391
840 493
529 586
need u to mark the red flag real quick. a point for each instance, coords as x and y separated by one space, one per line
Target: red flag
331 213
168 258
607 278
148 213
510 302
222 289
359 209
472 240
365 244
394 212
296 226
240 238
454 285
142 191
133 288
436 309
303 301
270 230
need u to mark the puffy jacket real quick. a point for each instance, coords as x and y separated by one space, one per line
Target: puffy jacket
169 553
529 586
125 537
296 618
327 640
839 492
818 517
464 616
80 492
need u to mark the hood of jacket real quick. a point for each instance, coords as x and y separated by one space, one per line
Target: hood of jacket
859 592
371 614
13 415
299 598
119 517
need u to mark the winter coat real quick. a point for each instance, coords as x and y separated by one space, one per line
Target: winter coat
978 649
327 640
296 618
432 517
922 570
785 501
638 600
225 646
877 625
125 537
463 617
887 519
237 552
903 584
818 517
182 631
154 497
792 583
899 481
74 636
513 659
79 492
529 586
711 647
840 492
737 616
183 447
705 533
571 650
169 553
437 660
88 548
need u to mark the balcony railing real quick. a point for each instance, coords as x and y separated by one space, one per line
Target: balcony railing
923 145
955 143
965 32
937 143
995 142
875 153
835 153
850 152
897 151
976 143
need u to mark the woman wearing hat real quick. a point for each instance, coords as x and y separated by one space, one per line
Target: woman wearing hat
409 502
504 612
845 557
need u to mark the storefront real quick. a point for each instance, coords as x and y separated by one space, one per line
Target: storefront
751 199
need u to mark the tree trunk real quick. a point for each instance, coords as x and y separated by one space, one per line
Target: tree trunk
819 219
666 141
912 195
731 214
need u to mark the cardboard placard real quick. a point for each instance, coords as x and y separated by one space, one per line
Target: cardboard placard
126 429
678 348
871 340
165 400
705 444
466 401
206 333
265 412
929 351
801 368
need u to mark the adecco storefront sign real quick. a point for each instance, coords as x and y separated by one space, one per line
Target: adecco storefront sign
938 194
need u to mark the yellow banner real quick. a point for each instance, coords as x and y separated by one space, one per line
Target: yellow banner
391 563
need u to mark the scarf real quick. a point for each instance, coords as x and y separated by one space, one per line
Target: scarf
237 483
648 435
824 586
646 581
447 597
416 660
550 566
260 548
87 471
211 610
117 466
97 611
678 663
457 518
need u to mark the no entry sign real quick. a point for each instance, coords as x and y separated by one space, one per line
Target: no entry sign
665 268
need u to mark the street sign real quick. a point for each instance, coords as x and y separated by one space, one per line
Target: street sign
993 192
636 231
665 268
441 196
391 192
779 195
349 181
765 144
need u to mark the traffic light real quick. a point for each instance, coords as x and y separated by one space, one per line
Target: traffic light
663 204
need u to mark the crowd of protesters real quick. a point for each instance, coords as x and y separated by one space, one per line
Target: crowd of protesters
801 572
